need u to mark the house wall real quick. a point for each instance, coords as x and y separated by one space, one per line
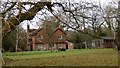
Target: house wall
102 43
62 45
42 33
108 44
57 34
70 45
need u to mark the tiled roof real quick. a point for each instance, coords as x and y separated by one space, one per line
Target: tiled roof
34 31
60 30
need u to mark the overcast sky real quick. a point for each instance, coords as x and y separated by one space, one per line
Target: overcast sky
103 3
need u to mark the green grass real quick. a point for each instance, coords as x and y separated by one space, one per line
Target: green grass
82 57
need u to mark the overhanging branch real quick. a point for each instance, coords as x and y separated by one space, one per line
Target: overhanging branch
75 28
69 12
23 16
9 8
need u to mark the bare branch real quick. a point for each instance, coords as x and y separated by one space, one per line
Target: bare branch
75 28
9 8
68 11
23 16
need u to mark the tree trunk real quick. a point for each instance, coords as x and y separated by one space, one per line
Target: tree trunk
16 47
118 34
51 46
118 29
51 49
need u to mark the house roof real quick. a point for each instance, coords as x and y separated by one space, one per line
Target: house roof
69 41
107 37
60 30
37 30
34 31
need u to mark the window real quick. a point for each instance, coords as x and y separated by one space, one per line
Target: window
70 44
60 46
40 37
40 46
60 37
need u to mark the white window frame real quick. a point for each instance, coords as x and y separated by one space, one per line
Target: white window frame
61 37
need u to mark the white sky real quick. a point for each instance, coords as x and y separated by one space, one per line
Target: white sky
103 2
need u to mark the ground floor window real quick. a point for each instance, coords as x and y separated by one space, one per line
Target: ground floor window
40 46
60 46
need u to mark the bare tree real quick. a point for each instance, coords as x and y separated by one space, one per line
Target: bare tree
118 29
16 47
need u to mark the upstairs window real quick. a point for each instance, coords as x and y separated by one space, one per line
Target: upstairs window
40 37
60 37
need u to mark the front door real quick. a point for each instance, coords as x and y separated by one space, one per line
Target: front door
31 48
66 45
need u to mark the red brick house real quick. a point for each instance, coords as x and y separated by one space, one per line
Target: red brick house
38 39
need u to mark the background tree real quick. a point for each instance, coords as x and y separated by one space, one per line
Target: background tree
9 41
49 27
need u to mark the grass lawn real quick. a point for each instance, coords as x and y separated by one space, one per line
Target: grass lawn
82 57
